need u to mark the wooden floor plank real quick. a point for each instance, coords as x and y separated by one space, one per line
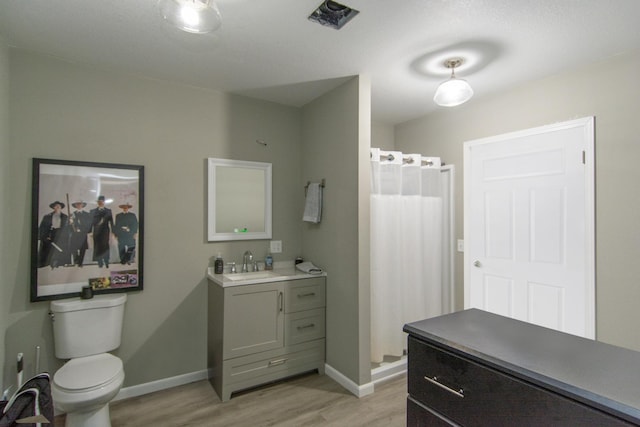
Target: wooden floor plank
309 400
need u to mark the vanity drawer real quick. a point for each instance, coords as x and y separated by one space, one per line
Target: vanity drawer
304 326
273 364
304 294
475 395
419 416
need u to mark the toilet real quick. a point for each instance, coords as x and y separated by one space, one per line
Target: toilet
84 331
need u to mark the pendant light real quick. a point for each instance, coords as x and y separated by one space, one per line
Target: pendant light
454 91
192 16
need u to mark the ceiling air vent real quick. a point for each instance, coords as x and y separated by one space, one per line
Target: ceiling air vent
332 14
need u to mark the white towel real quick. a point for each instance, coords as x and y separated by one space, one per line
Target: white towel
313 205
309 268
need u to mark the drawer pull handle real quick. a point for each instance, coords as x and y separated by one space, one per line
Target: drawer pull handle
277 362
310 325
310 294
434 380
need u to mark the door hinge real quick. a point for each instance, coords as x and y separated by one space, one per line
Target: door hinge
584 157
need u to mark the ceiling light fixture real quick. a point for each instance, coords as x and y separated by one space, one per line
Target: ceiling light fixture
192 16
454 91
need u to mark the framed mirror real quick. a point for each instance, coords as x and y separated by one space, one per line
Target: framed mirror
239 205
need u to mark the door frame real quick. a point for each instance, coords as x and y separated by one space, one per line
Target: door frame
588 125
450 170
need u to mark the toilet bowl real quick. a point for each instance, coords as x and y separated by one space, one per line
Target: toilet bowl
84 386
84 331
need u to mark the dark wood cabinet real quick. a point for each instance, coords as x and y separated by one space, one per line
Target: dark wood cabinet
419 415
473 368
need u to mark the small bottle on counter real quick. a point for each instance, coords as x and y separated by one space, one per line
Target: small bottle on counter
218 265
268 262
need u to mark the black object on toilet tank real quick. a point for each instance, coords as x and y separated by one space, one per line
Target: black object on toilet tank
86 293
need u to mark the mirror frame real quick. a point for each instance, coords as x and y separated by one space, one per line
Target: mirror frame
212 234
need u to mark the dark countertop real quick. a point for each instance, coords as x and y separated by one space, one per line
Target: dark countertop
599 374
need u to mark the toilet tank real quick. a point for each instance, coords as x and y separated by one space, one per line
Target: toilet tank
83 327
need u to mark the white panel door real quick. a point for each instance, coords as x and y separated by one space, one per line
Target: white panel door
529 228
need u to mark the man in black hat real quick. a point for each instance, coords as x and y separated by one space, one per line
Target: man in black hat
80 226
125 230
101 226
53 242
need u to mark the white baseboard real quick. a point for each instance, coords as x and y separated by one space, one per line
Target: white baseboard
163 384
389 371
337 376
397 369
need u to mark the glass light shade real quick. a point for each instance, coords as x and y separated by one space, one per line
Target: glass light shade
453 92
192 16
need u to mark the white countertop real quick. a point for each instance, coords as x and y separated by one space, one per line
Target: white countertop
263 276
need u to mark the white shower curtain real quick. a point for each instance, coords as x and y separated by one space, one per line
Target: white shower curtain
406 247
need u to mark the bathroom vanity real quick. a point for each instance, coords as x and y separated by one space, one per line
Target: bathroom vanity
474 368
264 326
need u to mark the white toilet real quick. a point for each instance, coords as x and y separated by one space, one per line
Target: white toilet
84 330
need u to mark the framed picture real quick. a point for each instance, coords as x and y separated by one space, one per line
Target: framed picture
86 228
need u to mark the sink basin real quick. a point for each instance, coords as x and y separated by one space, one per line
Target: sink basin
248 276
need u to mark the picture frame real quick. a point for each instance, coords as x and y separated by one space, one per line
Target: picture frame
87 228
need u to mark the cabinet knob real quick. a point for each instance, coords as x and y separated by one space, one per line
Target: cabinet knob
477 263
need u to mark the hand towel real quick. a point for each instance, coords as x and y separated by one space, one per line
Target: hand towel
313 205
308 267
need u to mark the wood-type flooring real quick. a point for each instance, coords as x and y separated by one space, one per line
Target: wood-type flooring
308 400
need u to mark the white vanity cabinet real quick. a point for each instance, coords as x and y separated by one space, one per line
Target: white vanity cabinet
258 333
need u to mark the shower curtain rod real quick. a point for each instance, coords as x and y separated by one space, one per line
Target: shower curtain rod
406 160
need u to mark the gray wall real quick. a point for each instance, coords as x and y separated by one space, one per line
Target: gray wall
336 138
610 92
5 293
65 111
68 111
383 136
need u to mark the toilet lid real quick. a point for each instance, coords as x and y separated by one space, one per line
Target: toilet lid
88 372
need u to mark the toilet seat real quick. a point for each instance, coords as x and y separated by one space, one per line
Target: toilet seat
88 373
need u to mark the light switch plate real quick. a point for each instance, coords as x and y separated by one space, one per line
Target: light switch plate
276 246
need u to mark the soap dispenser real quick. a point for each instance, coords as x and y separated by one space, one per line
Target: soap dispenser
218 265
268 262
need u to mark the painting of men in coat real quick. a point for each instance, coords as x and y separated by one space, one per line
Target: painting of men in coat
126 229
88 227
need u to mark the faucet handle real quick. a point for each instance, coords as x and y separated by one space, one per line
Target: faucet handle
255 266
233 266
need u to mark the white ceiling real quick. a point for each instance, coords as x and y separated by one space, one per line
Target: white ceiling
268 49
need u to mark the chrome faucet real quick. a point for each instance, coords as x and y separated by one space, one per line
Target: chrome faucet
247 259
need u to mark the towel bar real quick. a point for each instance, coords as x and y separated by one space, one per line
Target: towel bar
306 187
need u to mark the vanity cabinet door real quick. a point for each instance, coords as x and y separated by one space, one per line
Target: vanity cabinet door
253 319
